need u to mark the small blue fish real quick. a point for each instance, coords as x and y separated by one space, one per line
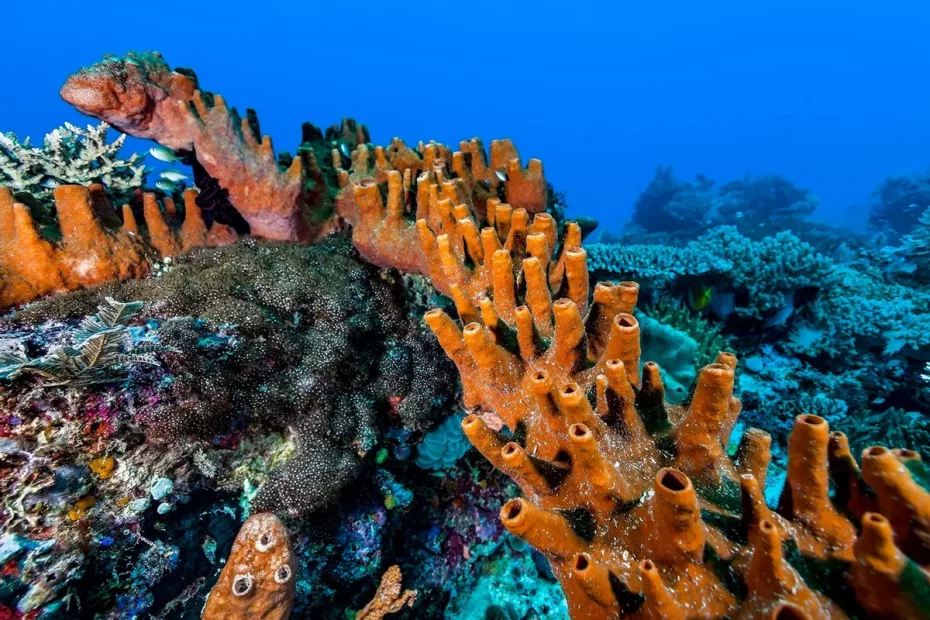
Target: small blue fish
163 153
50 183
166 186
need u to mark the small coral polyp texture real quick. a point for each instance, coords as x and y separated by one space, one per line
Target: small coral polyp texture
636 503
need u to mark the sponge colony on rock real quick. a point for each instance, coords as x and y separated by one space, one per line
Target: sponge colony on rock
96 246
141 96
636 503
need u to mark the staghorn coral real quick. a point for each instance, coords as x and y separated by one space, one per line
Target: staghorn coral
258 580
908 429
429 191
389 598
69 156
140 95
96 246
637 505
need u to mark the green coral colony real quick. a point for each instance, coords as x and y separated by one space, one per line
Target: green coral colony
246 348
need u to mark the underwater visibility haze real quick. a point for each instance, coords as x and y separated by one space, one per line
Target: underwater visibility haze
474 311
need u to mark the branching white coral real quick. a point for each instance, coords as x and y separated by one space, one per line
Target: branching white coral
72 155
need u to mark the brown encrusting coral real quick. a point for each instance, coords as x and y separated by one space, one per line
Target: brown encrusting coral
96 245
637 504
258 580
433 191
140 95
390 597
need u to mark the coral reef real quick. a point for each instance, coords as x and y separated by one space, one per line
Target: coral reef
95 244
916 248
636 503
893 426
291 324
901 202
258 579
141 96
757 207
181 387
764 205
668 205
100 347
762 277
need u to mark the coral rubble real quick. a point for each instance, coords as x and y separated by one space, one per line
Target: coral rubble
637 504
96 245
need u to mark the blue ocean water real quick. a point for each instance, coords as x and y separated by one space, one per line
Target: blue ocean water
829 94
301 379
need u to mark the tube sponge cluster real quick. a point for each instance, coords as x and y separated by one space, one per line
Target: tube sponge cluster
637 504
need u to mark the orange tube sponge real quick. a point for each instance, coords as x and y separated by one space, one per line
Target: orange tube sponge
95 247
140 95
434 212
258 580
636 503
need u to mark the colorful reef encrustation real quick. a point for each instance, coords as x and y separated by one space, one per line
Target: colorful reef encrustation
255 394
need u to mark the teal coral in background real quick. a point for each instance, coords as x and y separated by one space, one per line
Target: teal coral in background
674 351
444 445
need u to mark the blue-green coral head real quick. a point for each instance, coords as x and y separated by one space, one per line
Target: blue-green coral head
444 445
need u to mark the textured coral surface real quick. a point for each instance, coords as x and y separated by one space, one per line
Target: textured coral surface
303 369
